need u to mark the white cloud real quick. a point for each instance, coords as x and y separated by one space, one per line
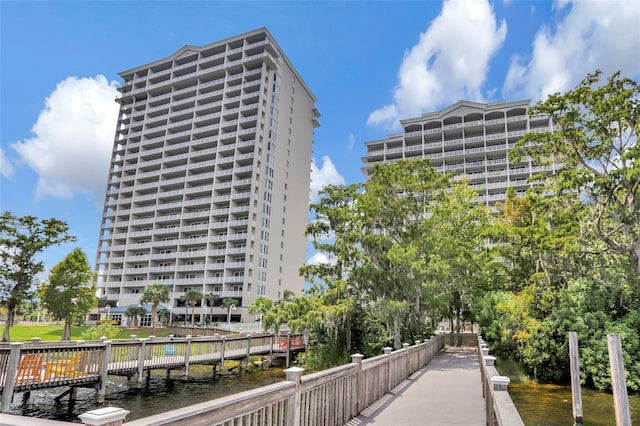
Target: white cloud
6 168
588 35
323 176
73 138
319 258
449 63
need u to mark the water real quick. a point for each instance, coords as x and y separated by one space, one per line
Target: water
551 405
162 395
538 404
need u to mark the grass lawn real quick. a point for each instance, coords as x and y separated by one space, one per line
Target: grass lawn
24 333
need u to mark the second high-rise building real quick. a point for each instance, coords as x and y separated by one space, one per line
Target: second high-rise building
209 179
470 140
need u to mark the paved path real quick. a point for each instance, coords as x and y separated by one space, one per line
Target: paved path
445 392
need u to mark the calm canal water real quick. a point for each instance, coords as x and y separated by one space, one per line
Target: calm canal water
550 405
538 404
161 396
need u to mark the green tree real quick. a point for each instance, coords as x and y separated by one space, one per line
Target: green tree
260 306
594 146
212 299
135 312
21 239
229 304
288 295
192 298
422 246
155 294
459 232
334 232
70 293
302 313
165 315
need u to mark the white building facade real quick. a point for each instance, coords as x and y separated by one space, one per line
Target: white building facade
208 185
469 139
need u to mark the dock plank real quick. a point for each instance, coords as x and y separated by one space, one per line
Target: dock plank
445 392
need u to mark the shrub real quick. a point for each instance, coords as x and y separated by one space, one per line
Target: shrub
108 329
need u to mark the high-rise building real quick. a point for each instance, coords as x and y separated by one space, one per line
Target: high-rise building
469 139
208 185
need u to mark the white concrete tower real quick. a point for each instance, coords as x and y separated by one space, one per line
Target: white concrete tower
208 186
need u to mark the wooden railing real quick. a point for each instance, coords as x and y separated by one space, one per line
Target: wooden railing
329 398
37 365
499 408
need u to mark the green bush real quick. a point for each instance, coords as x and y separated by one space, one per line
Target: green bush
107 329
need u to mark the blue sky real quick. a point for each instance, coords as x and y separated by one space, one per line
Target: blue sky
368 63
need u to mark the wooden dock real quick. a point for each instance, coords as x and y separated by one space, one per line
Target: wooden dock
36 365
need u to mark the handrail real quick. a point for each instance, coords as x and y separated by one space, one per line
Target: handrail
499 408
37 365
330 397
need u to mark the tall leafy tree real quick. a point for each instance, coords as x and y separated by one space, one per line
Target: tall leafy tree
420 244
192 298
594 146
155 294
21 240
459 236
334 233
70 293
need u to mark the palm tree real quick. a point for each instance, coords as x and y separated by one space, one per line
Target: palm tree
288 295
155 294
212 298
135 312
164 315
192 298
260 307
229 304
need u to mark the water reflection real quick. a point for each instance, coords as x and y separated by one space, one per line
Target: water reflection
550 405
161 395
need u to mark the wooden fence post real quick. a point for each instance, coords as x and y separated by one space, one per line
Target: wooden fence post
187 353
10 379
618 381
141 360
387 351
357 359
224 344
248 351
107 416
576 390
104 370
294 374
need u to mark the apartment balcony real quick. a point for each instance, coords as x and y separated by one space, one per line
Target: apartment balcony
198 241
188 268
199 281
235 265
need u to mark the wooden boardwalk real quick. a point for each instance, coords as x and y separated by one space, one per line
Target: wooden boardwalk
445 392
422 384
37 365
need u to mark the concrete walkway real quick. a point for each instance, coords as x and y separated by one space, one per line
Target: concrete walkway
445 392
